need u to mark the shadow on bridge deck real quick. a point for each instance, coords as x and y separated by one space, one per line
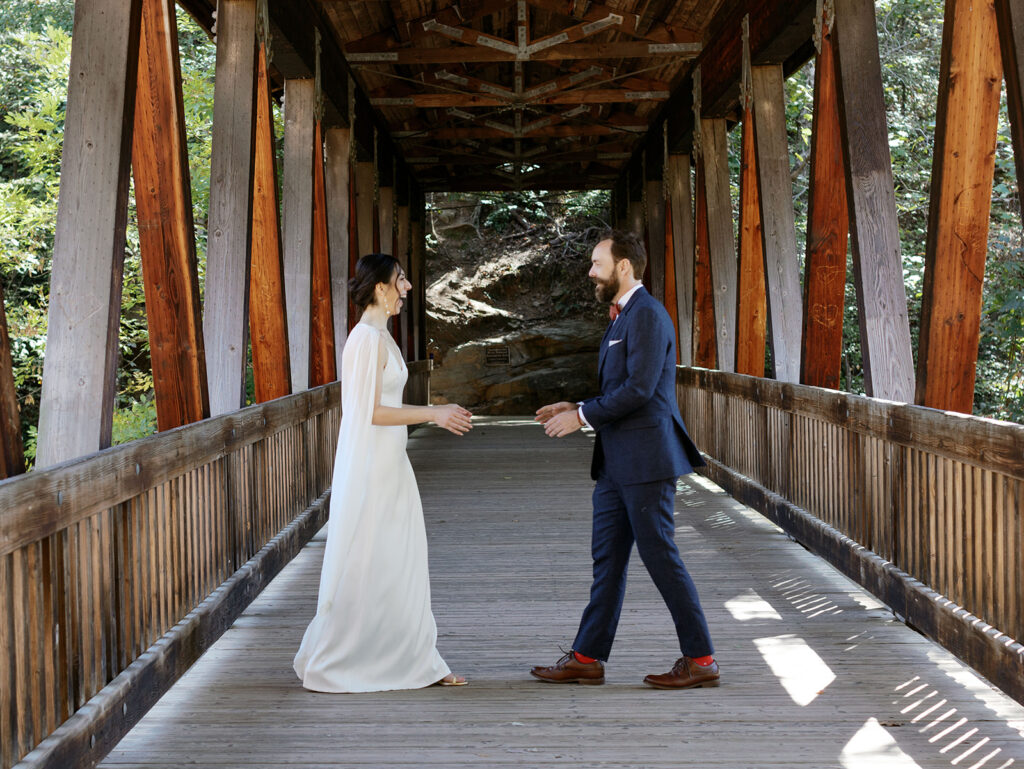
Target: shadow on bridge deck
816 672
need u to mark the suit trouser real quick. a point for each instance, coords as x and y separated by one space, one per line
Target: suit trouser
643 513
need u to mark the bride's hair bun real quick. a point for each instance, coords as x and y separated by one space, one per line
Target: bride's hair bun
371 270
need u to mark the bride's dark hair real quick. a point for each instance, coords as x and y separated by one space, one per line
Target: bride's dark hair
370 270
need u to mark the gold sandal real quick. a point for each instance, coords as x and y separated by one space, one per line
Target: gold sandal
455 681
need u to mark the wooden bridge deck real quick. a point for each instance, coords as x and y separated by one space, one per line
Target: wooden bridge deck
816 671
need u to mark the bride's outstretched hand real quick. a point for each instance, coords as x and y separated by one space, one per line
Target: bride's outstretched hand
453 418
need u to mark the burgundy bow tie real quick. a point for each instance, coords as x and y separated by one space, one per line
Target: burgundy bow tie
613 311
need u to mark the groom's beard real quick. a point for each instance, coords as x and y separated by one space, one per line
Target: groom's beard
605 290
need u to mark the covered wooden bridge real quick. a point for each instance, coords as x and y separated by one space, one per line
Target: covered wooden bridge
120 566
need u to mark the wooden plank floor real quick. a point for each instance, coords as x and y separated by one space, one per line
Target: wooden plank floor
816 672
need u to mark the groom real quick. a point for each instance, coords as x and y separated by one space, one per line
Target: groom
640 450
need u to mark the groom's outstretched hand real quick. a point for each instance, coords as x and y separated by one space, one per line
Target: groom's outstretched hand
559 419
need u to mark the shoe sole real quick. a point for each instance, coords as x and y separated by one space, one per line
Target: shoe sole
584 681
701 685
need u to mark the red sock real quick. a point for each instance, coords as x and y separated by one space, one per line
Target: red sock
703 661
582 658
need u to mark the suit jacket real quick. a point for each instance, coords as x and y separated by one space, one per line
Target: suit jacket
640 433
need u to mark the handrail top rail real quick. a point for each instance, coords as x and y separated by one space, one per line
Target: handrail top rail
991 444
41 503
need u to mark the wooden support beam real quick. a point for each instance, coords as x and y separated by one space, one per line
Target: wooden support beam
705 354
296 47
878 268
338 186
775 191
297 222
827 231
566 52
636 217
364 206
722 254
669 268
549 130
353 242
163 197
12 450
751 308
386 218
226 295
965 145
268 316
627 23
654 190
1010 17
402 247
681 203
80 373
322 353
417 258
578 96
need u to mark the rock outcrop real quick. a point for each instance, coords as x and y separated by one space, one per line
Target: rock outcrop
512 321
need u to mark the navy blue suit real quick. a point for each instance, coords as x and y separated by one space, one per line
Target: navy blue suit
641 448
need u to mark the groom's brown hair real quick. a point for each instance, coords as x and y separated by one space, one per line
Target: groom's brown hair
628 245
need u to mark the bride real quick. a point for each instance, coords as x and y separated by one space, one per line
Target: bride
373 629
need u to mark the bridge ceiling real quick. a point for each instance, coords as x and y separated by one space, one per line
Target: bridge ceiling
542 94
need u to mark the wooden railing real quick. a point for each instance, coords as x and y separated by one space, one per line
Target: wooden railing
417 388
939 496
103 556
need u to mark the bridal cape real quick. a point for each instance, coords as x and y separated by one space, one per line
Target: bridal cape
373 629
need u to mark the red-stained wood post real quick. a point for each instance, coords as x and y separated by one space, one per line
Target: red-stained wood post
705 354
322 339
268 325
80 373
163 197
752 305
12 450
965 142
1010 17
871 200
827 229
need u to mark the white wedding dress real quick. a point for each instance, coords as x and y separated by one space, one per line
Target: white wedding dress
373 630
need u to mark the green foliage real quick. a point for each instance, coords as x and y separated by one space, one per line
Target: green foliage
507 211
35 48
135 420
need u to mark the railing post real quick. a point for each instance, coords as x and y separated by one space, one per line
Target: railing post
682 251
225 309
80 373
338 205
297 222
878 268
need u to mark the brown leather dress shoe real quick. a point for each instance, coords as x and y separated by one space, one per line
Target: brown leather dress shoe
685 674
569 670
